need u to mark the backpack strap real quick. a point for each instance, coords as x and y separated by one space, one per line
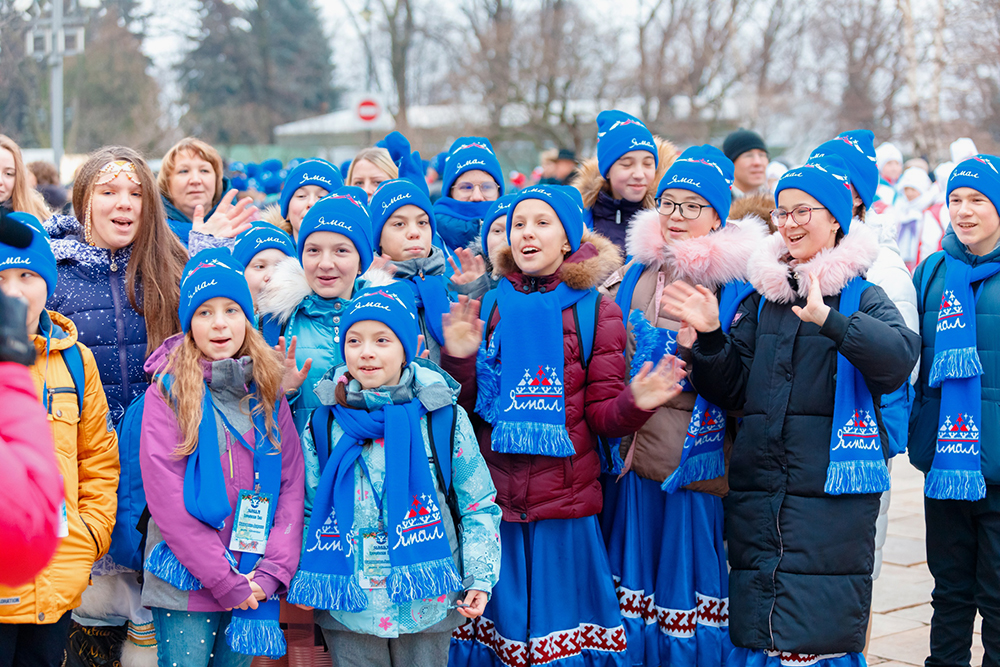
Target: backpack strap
441 426
74 364
929 272
626 290
585 314
321 425
488 305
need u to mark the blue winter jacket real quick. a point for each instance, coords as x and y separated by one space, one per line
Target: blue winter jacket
924 419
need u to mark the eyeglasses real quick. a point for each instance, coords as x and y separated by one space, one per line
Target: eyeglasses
800 214
689 210
488 188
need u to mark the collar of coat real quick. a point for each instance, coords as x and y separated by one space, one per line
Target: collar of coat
588 267
770 269
711 260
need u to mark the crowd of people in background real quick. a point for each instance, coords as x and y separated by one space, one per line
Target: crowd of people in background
639 409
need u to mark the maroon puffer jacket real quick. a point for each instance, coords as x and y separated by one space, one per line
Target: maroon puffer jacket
531 488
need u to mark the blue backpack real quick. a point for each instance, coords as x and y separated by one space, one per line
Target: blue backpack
128 538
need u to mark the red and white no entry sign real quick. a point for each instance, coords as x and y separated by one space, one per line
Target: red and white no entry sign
369 110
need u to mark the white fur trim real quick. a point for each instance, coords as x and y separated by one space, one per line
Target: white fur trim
836 266
710 260
377 277
285 291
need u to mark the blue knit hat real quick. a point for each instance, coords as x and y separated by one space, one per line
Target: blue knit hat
310 172
828 181
500 207
619 133
341 212
392 305
212 272
706 171
468 154
857 149
261 236
978 172
392 195
36 257
564 200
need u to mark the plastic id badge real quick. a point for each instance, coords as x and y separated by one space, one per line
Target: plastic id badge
375 563
253 522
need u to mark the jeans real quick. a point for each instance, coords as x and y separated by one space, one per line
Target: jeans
195 639
423 649
963 554
29 645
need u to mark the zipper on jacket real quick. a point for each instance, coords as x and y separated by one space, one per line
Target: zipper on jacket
120 326
92 536
774 573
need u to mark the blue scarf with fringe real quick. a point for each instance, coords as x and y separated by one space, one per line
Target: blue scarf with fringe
251 631
421 563
429 291
956 473
521 383
856 461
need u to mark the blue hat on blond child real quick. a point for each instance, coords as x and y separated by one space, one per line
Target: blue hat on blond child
391 196
260 237
564 200
619 133
311 172
705 171
212 273
827 180
978 172
392 305
468 154
499 208
341 212
36 257
857 149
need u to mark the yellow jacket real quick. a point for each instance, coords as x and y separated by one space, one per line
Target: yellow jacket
87 455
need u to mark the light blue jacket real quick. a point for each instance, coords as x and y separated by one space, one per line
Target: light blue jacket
476 547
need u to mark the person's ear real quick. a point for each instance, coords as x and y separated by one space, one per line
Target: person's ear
566 248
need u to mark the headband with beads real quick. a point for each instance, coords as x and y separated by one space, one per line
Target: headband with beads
105 175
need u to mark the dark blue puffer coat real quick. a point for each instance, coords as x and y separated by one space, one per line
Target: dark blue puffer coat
91 291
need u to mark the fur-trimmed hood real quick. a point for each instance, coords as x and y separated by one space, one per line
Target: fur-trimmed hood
589 181
288 287
711 260
272 214
588 267
853 256
759 204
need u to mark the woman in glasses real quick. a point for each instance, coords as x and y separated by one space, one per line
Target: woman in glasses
472 181
620 182
806 361
663 516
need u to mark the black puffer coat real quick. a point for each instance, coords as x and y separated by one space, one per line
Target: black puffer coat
801 560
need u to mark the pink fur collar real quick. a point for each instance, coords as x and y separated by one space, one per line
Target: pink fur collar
711 260
853 256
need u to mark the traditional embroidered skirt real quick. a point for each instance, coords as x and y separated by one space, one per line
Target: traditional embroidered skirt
669 563
554 604
744 657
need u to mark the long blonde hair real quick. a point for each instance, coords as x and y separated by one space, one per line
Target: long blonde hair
188 391
378 157
157 258
23 198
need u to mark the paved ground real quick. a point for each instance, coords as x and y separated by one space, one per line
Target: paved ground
901 609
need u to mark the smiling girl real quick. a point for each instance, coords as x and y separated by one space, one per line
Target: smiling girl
806 361
15 193
540 405
663 516
218 448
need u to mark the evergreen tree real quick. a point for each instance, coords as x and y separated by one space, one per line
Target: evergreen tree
254 69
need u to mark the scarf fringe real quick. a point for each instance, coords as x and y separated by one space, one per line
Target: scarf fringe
709 465
532 438
164 564
647 339
857 476
407 583
327 591
955 484
251 636
955 364
488 388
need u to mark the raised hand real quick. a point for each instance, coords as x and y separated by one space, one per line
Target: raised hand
652 387
294 376
815 311
696 306
383 262
472 266
463 330
228 220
